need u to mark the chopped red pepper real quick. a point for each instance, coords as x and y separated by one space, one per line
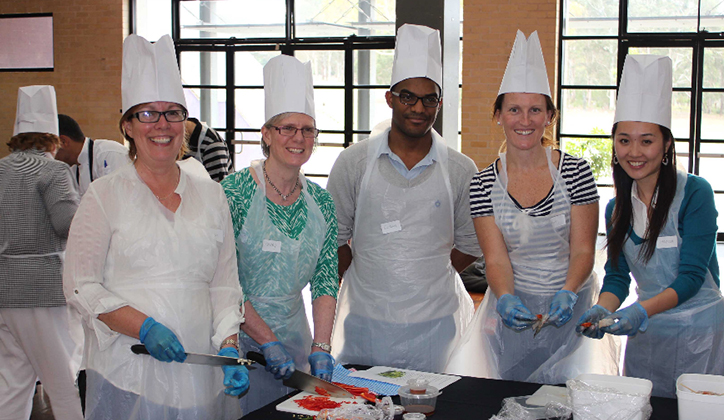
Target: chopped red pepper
321 391
358 391
539 316
587 325
369 397
313 403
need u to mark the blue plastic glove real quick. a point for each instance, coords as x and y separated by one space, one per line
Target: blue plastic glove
278 360
322 364
515 315
161 342
562 307
236 378
593 315
631 320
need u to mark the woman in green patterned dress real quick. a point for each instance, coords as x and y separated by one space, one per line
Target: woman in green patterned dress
286 238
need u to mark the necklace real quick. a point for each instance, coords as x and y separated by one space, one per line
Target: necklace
172 191
284 197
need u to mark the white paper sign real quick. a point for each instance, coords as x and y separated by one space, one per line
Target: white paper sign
271 246
390 227
666 242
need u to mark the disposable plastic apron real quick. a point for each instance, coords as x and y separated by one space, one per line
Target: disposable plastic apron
686 339
273 270
539 252
174 290
401 303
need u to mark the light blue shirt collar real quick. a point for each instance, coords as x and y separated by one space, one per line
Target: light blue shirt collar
397 163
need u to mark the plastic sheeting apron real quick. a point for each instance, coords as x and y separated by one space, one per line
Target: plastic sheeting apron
686 339
401 303
174 290
273 270
539 251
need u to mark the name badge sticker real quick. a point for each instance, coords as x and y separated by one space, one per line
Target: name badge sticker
391 227
663 242
559 220
271 246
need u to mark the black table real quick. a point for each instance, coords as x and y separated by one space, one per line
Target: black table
473 398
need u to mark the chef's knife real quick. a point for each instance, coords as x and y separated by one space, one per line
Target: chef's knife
304 381
200 358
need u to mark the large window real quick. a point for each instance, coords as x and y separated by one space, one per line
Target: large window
595 37
224 45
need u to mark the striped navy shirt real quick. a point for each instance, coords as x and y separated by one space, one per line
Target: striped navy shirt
576 172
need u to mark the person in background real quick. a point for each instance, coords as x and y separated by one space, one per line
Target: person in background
661 228
286 234
37 202
151 259
535 211
89 159
207 146
402 200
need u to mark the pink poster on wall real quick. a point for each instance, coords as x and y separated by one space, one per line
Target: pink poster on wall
27 42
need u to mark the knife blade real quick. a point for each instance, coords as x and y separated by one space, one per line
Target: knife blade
304 381
200 358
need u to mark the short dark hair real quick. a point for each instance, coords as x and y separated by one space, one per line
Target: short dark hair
67 126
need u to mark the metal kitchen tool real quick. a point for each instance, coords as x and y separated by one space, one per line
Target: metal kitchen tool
539 324
200 358
304 381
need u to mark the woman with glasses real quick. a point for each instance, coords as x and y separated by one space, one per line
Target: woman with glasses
286 238
151 259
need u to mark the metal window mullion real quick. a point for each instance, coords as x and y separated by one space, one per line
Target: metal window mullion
230 101
348 93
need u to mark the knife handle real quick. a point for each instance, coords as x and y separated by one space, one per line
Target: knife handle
139 349
257 357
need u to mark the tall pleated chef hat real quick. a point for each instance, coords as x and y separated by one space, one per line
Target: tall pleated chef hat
417 54
526 70
37 110
150 72
645 91
288 87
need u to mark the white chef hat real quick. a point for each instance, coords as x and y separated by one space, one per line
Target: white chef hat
288 87
150 72
417 54
645 90
526 70
37 110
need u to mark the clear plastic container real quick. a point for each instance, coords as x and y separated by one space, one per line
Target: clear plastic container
419 402
413 416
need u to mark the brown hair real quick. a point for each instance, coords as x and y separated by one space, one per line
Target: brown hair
132 151
41 141
547 139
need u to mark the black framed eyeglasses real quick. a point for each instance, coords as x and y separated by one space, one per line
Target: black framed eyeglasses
173 115
410 99
307 132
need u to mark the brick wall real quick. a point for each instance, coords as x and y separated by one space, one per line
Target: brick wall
488 35
88 37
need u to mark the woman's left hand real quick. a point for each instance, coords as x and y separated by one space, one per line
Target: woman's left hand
322 364
562 307
236 377
631 320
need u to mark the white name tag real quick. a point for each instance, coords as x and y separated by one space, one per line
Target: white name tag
666 242
559 220
390 227
271 246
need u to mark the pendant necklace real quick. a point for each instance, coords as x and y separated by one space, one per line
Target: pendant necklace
284 197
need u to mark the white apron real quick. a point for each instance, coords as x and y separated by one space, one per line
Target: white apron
401 303
539 252
686 339
273 270
172 287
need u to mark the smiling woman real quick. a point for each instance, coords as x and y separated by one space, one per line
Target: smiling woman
286 230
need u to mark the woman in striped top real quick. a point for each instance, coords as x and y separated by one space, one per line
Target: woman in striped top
535 212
